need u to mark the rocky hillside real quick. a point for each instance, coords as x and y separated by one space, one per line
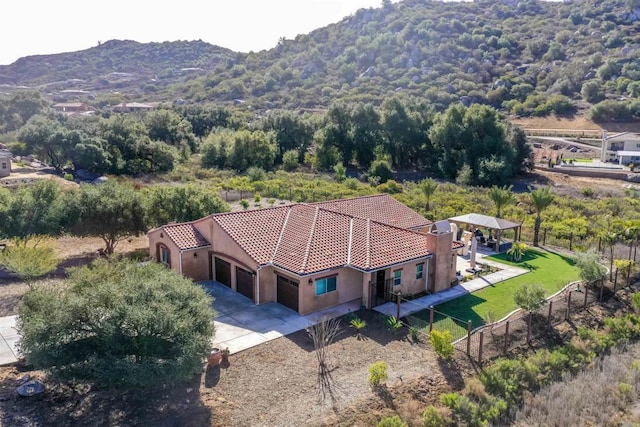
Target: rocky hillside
526 57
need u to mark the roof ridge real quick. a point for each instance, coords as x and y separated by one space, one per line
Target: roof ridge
368 245
350 242
311 233
284 225
351 198
218 214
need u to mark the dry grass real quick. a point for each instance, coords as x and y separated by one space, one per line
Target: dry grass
601 395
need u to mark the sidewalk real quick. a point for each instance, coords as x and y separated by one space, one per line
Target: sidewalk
8 340
409 307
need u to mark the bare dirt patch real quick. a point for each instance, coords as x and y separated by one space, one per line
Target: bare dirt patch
25 175
73 252
272 384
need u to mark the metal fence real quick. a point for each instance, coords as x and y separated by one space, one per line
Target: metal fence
520 328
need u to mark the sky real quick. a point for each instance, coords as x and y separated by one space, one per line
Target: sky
37 27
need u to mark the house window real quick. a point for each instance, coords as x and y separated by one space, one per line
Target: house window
419 271
326 285
4 165
165 255
397 277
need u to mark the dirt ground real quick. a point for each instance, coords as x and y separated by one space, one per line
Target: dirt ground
273 384
73 251
25 174
574 123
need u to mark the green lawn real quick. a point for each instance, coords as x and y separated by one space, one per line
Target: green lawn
548 269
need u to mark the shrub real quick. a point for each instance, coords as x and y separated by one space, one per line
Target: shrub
382 170
394 324
529 297
587 192
358 324
393 421
257 198
68 177
245 204
441 341
340 171
255 173
517 251
352 183
377 374
390 187
432 417
290 160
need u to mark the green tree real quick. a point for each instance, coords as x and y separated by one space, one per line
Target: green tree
541 199
529 297
501 197
29 258
291 132
110 211
442 343
290 160
36 209
428 188
118 324
181 203
381 169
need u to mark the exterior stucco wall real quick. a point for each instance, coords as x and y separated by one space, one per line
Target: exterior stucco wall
442 269
348 288
409 285
195 264
159 237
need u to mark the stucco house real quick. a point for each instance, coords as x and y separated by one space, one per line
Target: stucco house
623 148
312 256
131 107
5 163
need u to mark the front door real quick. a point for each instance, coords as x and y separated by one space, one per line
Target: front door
380 297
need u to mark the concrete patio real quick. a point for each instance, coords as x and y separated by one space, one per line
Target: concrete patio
409 307
8 340
240 324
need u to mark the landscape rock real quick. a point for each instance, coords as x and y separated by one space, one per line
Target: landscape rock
30 388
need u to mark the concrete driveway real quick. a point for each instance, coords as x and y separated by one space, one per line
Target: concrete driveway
240 324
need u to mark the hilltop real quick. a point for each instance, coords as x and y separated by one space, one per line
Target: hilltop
527 57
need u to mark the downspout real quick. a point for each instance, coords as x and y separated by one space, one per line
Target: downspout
180 259
426 275
258 283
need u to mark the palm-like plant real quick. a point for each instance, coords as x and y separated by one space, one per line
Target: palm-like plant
517 251
501 197
428 188
540 198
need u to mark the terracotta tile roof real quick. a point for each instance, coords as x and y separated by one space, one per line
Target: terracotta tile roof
380 208
185 236
457 244
306 239
256 231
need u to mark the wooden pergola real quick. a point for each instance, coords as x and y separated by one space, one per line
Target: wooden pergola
490 222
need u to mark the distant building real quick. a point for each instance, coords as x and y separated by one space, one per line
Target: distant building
131 107
5 163
72 107
623 148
